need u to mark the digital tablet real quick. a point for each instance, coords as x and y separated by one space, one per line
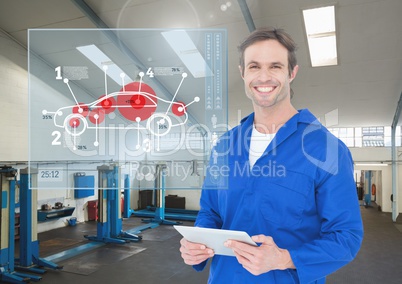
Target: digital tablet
214 238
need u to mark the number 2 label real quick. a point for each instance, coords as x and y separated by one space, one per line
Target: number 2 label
56 141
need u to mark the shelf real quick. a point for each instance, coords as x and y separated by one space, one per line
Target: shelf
47 215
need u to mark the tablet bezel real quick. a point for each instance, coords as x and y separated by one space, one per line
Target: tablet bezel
214 238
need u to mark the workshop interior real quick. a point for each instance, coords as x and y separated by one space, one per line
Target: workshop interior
111 111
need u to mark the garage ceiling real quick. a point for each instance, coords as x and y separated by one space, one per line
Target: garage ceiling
364 88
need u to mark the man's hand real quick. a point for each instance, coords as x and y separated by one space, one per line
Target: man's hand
257 260
193 253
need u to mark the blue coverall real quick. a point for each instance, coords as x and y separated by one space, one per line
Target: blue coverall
301 192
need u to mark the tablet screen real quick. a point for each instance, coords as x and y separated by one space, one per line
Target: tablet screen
214 238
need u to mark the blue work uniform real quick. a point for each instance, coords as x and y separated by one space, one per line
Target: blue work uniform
301 192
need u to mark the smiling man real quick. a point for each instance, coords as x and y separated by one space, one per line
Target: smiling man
306 219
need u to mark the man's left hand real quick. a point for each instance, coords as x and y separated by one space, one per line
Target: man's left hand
266 257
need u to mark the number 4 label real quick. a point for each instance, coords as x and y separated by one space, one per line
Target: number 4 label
150 73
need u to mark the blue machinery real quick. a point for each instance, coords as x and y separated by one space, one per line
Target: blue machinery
29 260
159 213
29 246
367 188
127 211
109 226
7 230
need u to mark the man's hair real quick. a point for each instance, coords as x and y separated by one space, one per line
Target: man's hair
262 34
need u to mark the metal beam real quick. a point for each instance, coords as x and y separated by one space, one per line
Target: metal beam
397 112
247 15
395 204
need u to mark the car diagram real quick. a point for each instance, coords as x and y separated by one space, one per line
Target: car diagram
136 102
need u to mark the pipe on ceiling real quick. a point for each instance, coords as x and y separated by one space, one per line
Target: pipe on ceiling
395 204
247 15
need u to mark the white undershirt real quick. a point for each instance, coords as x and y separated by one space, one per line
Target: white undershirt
259 142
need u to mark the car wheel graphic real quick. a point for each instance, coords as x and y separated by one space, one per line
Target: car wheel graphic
75 124
159 124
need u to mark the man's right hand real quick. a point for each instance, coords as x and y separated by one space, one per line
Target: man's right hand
194 253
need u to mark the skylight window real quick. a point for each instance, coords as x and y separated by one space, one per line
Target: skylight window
321 35
100 59
188 53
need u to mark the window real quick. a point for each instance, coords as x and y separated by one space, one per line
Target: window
358 137
321 35
100 59
376 136
388 136
373 136
188 53
346 135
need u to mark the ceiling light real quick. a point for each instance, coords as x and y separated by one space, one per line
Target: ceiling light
100 59
188 53
372 164
321 35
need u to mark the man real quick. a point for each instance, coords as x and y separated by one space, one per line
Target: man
289 182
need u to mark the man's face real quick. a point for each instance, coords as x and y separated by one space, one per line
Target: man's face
266 75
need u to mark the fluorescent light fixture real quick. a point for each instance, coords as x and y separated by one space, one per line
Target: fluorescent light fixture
321 35
188 53
372 164
94 54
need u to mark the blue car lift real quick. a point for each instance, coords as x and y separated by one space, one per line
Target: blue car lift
170 213
158 215
127 211
7 230
29 259
367 189
160 187
109 226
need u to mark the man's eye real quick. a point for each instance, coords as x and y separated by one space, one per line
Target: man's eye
253 67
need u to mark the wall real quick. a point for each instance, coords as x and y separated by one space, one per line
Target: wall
14 100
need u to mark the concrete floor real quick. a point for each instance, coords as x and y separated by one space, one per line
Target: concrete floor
156 259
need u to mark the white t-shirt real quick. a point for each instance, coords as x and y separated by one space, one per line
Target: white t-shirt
259 142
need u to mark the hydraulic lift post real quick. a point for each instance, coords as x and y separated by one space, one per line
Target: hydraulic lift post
109 226
7 229
29 245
